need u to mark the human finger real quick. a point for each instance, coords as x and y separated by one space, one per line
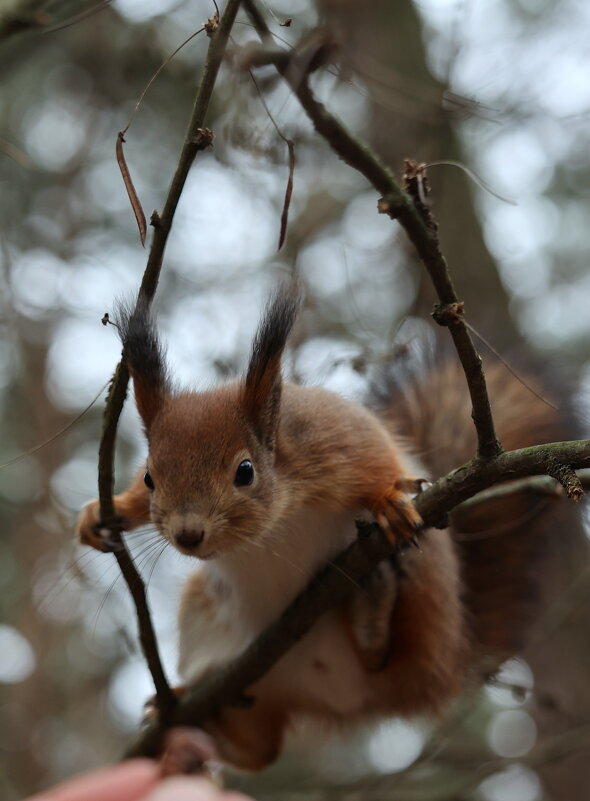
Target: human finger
191 788
128 781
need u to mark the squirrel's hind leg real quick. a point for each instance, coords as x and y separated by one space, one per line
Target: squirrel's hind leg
249 738
371 610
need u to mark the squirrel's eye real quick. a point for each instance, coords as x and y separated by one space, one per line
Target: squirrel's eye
244 474
149 482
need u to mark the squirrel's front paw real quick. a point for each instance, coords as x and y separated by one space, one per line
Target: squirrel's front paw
396 514
89 529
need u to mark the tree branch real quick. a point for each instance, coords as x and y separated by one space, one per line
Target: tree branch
338 579
196 138
449 491
404 206
226 687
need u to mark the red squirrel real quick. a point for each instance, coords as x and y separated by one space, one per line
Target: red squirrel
260 481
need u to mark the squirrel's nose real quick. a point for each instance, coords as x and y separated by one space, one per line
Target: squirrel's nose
190 538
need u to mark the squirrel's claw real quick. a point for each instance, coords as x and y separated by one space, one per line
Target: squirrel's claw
397 516
91 531
88 529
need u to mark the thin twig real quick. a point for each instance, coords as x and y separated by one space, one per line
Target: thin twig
291 150
567 478
474 177
55 436
155 75
77 18
288 194
449 491
510 369
196 138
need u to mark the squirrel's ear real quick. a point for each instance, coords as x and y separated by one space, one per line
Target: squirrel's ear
261 395
144 357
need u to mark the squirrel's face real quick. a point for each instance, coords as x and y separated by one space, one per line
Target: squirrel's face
212 483
211 463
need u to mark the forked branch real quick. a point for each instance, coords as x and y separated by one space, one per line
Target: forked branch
401 204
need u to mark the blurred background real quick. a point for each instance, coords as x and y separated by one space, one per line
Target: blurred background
501 87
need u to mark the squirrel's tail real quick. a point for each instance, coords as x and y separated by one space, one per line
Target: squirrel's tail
505 546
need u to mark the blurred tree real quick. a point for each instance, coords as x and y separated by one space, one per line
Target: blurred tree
410 111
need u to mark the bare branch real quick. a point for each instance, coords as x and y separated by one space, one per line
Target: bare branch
338 579
196 138
477 475
291 150
406 206
567 478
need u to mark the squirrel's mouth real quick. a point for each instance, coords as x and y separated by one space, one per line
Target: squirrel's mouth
206 556
198 552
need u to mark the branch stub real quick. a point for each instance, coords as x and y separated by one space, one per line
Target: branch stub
203 138
448 314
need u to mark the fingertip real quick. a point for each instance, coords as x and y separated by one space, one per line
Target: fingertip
192 788
127 781
184 788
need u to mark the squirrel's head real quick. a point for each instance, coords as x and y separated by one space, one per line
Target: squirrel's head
211 467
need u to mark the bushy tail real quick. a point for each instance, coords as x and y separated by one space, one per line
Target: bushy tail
507 547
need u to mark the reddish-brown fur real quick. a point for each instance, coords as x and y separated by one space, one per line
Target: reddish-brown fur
315 451
503 546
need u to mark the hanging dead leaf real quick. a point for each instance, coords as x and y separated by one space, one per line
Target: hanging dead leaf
134 200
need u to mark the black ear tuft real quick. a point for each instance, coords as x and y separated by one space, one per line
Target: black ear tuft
262 388
273 331
144 357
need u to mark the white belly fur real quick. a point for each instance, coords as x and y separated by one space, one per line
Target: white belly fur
246 590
